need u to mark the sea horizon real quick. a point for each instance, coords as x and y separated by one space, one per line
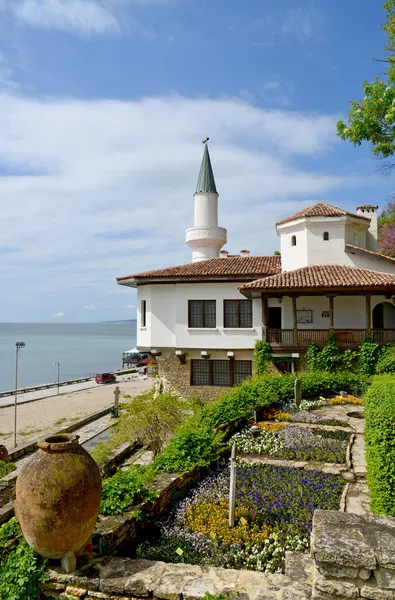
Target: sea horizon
82 349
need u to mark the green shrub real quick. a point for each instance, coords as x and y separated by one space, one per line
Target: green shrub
380 443
368 354
21 570
125 489
330 357
262 355
6 468
312 356
386 364
195 444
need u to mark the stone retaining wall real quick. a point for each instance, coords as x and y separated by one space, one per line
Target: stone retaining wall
111 532
354 556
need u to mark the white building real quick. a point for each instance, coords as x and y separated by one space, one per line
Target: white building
202 319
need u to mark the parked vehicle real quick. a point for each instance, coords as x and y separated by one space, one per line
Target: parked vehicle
105 378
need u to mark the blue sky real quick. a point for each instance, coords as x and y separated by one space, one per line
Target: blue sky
103 104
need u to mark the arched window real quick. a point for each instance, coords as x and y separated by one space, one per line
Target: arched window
325 236
293 240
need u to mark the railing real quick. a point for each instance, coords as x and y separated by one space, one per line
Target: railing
380 336
281 337
343 337
306 336
349 337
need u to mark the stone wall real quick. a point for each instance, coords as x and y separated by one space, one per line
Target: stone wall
176 377
113 531
354 556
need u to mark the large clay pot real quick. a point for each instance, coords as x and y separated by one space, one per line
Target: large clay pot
58 493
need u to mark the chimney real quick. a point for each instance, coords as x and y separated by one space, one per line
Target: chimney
223 254
370 211
244 253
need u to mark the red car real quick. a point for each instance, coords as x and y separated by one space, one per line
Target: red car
105 378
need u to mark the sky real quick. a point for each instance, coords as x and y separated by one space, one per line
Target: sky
103 107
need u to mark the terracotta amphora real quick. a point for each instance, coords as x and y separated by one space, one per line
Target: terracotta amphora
58 493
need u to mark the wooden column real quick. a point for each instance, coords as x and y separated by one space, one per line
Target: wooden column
295 325
265 317
331 316
368 317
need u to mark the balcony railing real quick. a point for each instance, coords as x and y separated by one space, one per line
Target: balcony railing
343 337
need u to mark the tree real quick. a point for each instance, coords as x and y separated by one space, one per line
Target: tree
373 118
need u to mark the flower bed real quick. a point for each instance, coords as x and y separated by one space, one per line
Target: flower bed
274 510
293 442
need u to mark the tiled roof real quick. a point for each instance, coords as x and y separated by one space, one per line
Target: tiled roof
351 248
323 276
250 266
321 210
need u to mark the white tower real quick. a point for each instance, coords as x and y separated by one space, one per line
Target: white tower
205 238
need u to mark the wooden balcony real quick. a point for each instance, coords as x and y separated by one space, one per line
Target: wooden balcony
345 338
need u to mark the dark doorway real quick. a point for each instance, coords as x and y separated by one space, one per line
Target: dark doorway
274 317
378 316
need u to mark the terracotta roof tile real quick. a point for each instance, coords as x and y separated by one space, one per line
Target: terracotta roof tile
323 276
351 248
321 210
250 266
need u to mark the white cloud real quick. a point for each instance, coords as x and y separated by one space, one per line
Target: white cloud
59 314
304 23
90 307
105 189
82 16
130 306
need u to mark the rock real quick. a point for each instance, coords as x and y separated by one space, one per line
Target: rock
340 572
336 539
385 578
371 592
299 567
336 588
69 562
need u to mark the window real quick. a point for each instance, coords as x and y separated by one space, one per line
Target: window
225 373
237 313
325 236
143 313
201 313
293 240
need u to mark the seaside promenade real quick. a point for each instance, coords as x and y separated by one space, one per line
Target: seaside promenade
52 412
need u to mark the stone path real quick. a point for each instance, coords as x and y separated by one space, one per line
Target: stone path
357 500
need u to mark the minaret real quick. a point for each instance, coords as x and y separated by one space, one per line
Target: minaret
205 238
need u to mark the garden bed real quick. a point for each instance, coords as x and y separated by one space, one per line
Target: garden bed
274 510
294 442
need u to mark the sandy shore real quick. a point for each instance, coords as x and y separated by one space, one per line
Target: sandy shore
49 414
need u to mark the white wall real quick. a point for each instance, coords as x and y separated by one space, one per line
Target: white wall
167 318
320 252
349 311
364 261
293 257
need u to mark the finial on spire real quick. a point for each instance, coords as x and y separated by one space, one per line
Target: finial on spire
205 140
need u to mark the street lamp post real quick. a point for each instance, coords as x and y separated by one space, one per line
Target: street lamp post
58 364
18 346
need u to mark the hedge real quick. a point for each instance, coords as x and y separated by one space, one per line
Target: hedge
265 390
380 443
198 441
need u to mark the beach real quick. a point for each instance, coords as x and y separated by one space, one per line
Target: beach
37 418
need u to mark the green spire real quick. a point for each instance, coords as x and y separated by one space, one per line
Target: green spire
206 182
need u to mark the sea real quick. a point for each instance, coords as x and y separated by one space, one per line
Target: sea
82 349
